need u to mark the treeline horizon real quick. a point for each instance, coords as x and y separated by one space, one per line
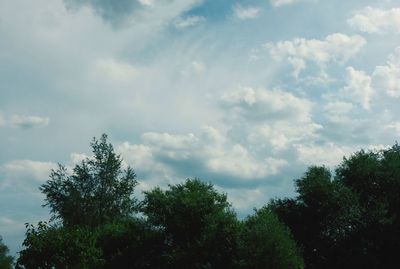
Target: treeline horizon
346 219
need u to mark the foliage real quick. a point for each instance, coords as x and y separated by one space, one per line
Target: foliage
47 247
130 244
97 192
264 242
199 225
6 261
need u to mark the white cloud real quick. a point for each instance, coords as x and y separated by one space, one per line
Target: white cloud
334 48
270 118
358 87
24 121
25 173
188 21
375 20
265 105
246 12
387 77
329 154
190 155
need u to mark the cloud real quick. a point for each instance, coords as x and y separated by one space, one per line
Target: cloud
246 13
109 10
265 105
24 173
278 3
375 20
270 119
28 122
329 154
207 155
299 51
387 77
133 12
358 87
188 21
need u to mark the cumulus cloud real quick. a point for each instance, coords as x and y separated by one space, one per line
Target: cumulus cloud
209 154
387 77
358 87
375 20
334 48
246 12
270 118
28 122
266 105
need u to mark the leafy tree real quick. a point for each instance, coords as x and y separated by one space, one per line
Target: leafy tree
6 261
266 243
48 247
98 191
198 222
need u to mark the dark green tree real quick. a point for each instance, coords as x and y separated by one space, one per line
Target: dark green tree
266 243
47 247
321 217
98 190
198 223
375 177
6 261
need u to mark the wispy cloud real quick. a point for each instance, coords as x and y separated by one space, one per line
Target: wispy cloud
246 12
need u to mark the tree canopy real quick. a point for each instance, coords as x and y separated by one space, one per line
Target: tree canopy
98 190
347 218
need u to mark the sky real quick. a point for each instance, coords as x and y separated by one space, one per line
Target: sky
245 94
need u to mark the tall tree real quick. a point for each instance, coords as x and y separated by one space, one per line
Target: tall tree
6 261
98 190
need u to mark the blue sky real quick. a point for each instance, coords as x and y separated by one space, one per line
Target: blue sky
245 94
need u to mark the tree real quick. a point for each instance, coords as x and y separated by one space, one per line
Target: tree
6 261
199 225
48 246
322 217
98 191
266 243
374 176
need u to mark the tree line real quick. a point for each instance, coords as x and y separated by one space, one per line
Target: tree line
346 219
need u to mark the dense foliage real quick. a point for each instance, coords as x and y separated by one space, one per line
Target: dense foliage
6 261
349 219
